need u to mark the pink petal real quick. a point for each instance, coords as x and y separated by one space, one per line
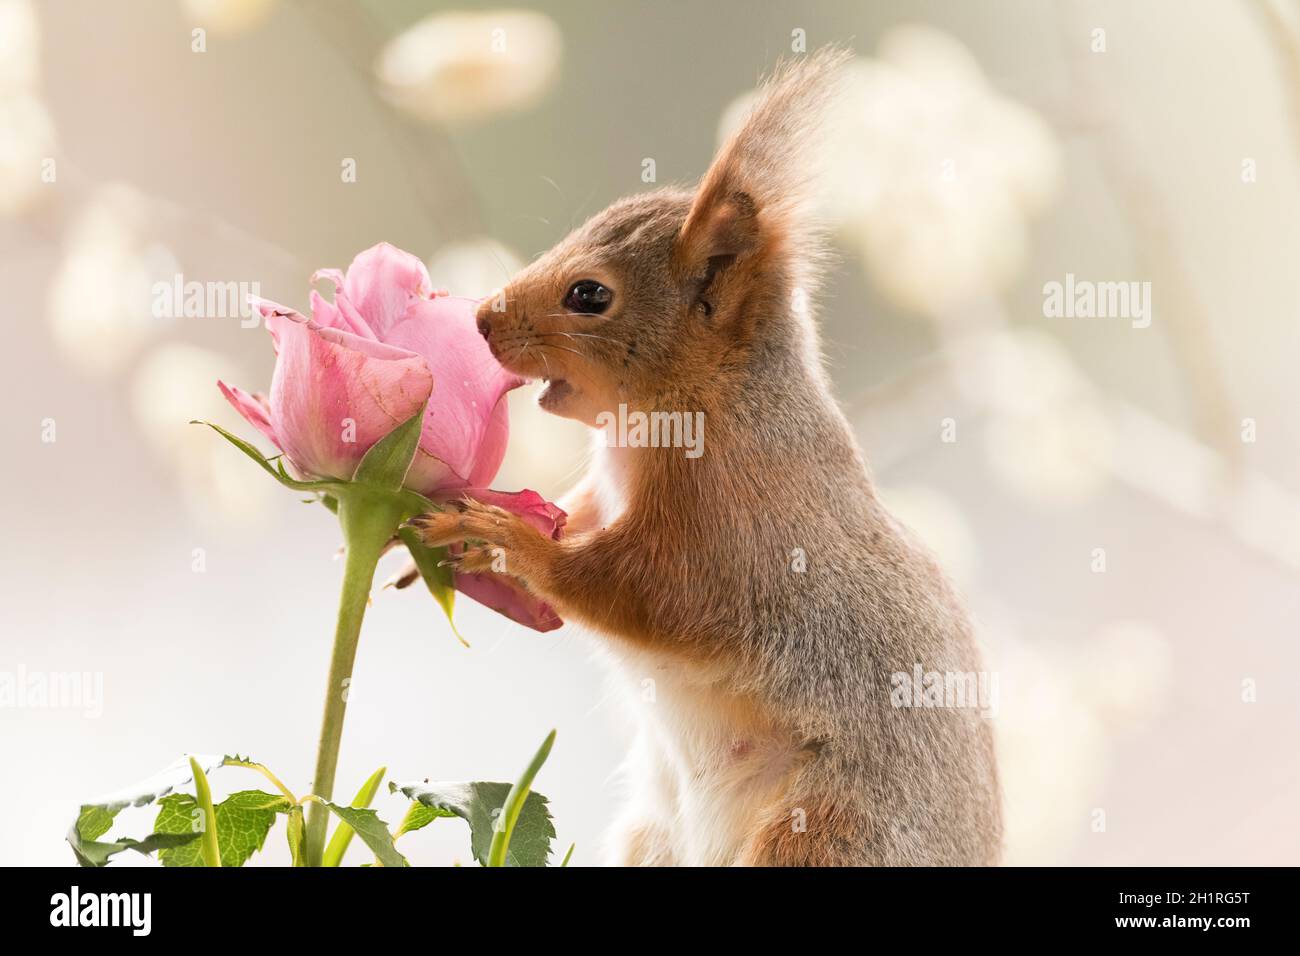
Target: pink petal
547 517
331 315
492 444
501 592
266 308
467 425
381 283
506 596
334 394
252 407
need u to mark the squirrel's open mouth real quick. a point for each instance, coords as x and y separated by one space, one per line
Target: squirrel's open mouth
556 391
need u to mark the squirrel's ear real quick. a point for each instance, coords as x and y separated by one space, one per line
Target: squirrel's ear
761 185
722 224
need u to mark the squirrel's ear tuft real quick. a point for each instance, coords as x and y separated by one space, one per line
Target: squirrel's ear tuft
762 181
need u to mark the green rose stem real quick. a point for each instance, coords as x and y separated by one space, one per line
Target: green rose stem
367 525
371 508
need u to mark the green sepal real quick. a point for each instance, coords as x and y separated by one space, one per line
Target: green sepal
277 470
439 579
388 460
372 482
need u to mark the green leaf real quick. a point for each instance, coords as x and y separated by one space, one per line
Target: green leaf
567 856
95 817
175 774
514 805
372 830
418 817
338 844
438 579
389 459
479 804
243 820
94 822
94 853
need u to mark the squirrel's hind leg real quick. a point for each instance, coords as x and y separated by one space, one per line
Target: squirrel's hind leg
637 842
809 832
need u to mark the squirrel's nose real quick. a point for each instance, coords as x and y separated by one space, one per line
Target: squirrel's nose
484 326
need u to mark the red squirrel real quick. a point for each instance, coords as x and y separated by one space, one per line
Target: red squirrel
759 585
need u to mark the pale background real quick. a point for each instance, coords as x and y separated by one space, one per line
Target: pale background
987 150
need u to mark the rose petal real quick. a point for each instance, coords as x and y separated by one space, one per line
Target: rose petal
380 284
334 394
466 427
492 444
507 596
500 592
252 407
333 315
547 517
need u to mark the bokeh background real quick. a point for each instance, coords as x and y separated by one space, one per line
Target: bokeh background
1120 505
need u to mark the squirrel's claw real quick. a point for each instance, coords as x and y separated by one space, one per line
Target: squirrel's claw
473 561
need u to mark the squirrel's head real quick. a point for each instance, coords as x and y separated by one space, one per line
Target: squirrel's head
667 290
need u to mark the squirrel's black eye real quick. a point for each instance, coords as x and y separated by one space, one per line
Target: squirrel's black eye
588 295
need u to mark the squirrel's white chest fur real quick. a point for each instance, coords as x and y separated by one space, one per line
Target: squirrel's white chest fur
701 769
702 764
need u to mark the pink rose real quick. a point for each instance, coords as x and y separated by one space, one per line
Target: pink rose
386 346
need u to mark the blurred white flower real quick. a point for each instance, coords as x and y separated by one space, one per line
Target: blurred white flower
1059 453
1016 370
1061 707
1052 751
933 174
938 521
20 46
457 65
228 16
101 296
26 141
1048 438
1125 672
473 267
26 130
173 385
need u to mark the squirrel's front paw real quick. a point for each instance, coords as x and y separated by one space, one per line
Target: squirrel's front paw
462 520
477 561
